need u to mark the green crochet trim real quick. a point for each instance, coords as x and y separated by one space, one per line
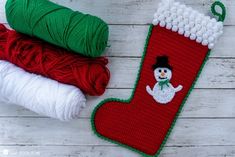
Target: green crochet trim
215 13
128 101
221 18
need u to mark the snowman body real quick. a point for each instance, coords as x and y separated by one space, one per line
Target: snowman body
163 95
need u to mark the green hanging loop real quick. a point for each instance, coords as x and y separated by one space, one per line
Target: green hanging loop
215 13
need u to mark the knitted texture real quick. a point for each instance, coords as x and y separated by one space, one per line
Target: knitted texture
36 56
143 123
73 30
170 65
189 22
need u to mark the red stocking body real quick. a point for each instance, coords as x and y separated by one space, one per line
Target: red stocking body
141 122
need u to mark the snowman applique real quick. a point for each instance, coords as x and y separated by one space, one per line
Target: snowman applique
163 91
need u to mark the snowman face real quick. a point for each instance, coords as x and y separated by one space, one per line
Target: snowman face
162 74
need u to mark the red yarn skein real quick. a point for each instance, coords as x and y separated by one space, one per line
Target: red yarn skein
89 74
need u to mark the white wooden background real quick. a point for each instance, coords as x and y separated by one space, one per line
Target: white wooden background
205 128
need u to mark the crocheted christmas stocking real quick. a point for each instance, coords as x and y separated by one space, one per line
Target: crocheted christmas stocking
176 49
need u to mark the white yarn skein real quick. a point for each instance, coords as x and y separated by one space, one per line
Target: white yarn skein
41 95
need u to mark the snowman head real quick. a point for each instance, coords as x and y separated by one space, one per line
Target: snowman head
162 69
162 74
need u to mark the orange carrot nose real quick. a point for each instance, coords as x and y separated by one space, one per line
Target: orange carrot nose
162 74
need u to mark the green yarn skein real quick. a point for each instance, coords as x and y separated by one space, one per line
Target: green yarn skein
75 31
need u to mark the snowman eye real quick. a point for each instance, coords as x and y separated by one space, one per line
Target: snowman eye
165 71
160 70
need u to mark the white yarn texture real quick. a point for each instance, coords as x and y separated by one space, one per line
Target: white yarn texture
41 95
188 22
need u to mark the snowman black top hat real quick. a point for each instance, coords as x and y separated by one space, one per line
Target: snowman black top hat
162 62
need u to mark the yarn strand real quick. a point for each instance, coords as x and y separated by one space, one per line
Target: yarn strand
35 56
221 16
61 26
41 95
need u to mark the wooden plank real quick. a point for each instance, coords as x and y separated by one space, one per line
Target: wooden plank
137 11
131 11
43 131
128 40
107 151
2 11
65 151
210 103
203 151
217 73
